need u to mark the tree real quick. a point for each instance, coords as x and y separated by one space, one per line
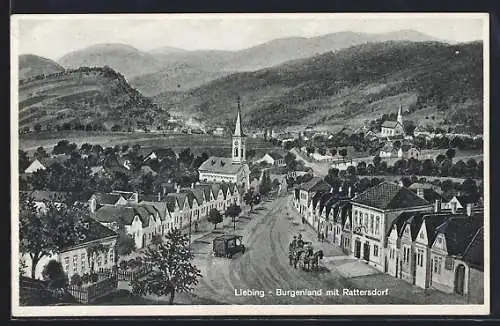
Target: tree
214 217
376 161
40 153
125 244
186 157
450 153
233 211
265 185
361 168
24 161
172 271
322 151
351 171
38 127
53 273
156 240
249 198
45 232
333 151
343 152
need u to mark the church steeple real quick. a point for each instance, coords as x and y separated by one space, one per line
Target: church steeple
239 140
238 130
400 114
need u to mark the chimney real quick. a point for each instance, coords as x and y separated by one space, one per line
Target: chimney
340 189
331 190
437 206
469 209
355 194
178 189
349 193
136 197
192 185
159 197
420 192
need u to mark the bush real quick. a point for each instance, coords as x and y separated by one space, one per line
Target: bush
76 280
123 265
85 278
94 277
54 275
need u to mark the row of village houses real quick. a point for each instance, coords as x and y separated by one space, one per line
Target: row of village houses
408 233
141 218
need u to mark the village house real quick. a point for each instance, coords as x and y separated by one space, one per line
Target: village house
456 255
141 222
98 199
42 197
458 203
44 163
75 258
272 158
373 212
306 191
343 164
229 169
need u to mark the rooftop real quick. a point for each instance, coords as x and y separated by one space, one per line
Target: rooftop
220 165
387 196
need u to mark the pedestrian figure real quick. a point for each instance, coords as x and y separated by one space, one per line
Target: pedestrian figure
195 226
322 237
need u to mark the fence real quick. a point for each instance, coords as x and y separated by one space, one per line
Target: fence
130 275
88 293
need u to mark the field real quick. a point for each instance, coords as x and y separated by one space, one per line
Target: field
197 143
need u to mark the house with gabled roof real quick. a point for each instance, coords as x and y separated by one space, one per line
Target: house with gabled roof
307 190
272 158
99 199
139 221
456 250
74 258
373 212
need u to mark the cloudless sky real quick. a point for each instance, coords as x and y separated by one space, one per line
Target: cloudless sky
53 36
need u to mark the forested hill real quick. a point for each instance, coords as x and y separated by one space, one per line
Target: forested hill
90 98
31 65
351 86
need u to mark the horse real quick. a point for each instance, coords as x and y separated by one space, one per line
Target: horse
296 257
307 259
315 259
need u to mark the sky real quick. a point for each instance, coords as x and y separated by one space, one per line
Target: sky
52 36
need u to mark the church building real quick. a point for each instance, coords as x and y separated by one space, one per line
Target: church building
394 128
229 169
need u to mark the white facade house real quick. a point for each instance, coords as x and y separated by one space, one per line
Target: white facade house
373 212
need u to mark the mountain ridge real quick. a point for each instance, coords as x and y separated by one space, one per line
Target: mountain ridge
431 79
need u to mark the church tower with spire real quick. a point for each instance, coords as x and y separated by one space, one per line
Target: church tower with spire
400 115
239 140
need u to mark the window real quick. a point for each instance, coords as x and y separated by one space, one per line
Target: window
83 259
105 259
75 264
421 235
407 230
375 250
111 256
371 223
365 222
66 264
377 225
99 260
448 264
439 240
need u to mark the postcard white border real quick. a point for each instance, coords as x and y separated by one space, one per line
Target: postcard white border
249 310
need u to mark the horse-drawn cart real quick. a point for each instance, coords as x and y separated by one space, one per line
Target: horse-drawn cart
301 254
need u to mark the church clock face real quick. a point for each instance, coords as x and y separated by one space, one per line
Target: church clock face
235 143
